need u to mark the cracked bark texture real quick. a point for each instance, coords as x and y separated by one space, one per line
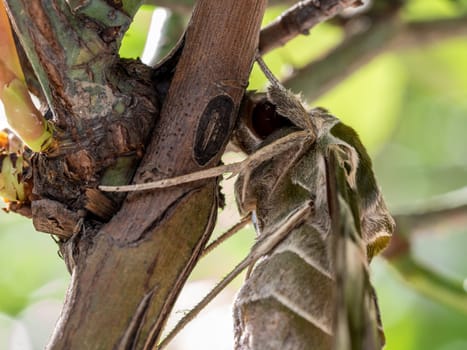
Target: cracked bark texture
129 262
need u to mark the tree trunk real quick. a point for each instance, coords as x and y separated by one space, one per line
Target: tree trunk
126 273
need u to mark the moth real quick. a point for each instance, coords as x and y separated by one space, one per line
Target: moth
312 290
320 218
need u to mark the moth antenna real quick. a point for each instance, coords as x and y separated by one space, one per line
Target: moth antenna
287 104
267 72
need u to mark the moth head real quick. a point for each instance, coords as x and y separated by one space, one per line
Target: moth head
322 120
258 119
290 106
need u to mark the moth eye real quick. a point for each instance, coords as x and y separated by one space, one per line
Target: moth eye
265 119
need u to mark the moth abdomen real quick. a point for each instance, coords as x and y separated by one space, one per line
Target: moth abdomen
274 298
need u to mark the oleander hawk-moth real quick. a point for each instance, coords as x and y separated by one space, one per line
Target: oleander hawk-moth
312 290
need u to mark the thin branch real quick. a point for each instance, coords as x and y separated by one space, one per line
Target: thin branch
322 75
436 286
416 34
432 215
299 19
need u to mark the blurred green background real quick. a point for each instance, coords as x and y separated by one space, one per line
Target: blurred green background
410 108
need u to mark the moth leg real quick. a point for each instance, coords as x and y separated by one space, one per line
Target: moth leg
247 172
250 162
262 247
287 104
273 149
246 177
218 288
226 235
269 239
304 146
233 168
249 270
266 71
205 301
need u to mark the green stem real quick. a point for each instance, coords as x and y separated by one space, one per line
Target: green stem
431 284
71 42
24 118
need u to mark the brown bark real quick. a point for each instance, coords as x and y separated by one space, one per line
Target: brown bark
103 110
299 19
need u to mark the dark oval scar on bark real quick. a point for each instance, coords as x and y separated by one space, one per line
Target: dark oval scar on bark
213 128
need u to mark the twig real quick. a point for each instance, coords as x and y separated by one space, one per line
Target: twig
322 75
439 212
432 284
435 214
416 34
298 20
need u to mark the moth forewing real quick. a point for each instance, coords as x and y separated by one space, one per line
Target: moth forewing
356 319
295 287
376 222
